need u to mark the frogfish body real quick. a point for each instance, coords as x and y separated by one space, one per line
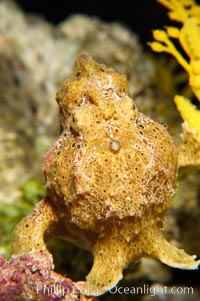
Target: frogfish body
110 177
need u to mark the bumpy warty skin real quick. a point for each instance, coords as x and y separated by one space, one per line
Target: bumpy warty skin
109 179
86 173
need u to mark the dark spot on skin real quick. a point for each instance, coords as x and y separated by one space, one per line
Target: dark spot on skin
74 133
78 74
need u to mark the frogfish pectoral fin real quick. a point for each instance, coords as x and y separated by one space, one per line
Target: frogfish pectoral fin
110 258
105 274
171 255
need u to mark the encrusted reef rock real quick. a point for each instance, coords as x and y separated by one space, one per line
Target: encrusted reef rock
31 277
109 179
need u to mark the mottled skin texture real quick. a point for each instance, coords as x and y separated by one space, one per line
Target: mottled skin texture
109 179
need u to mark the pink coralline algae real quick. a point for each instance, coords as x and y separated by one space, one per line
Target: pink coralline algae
31 277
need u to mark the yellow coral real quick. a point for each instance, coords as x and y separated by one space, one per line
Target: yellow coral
181 9
189 113
187 12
